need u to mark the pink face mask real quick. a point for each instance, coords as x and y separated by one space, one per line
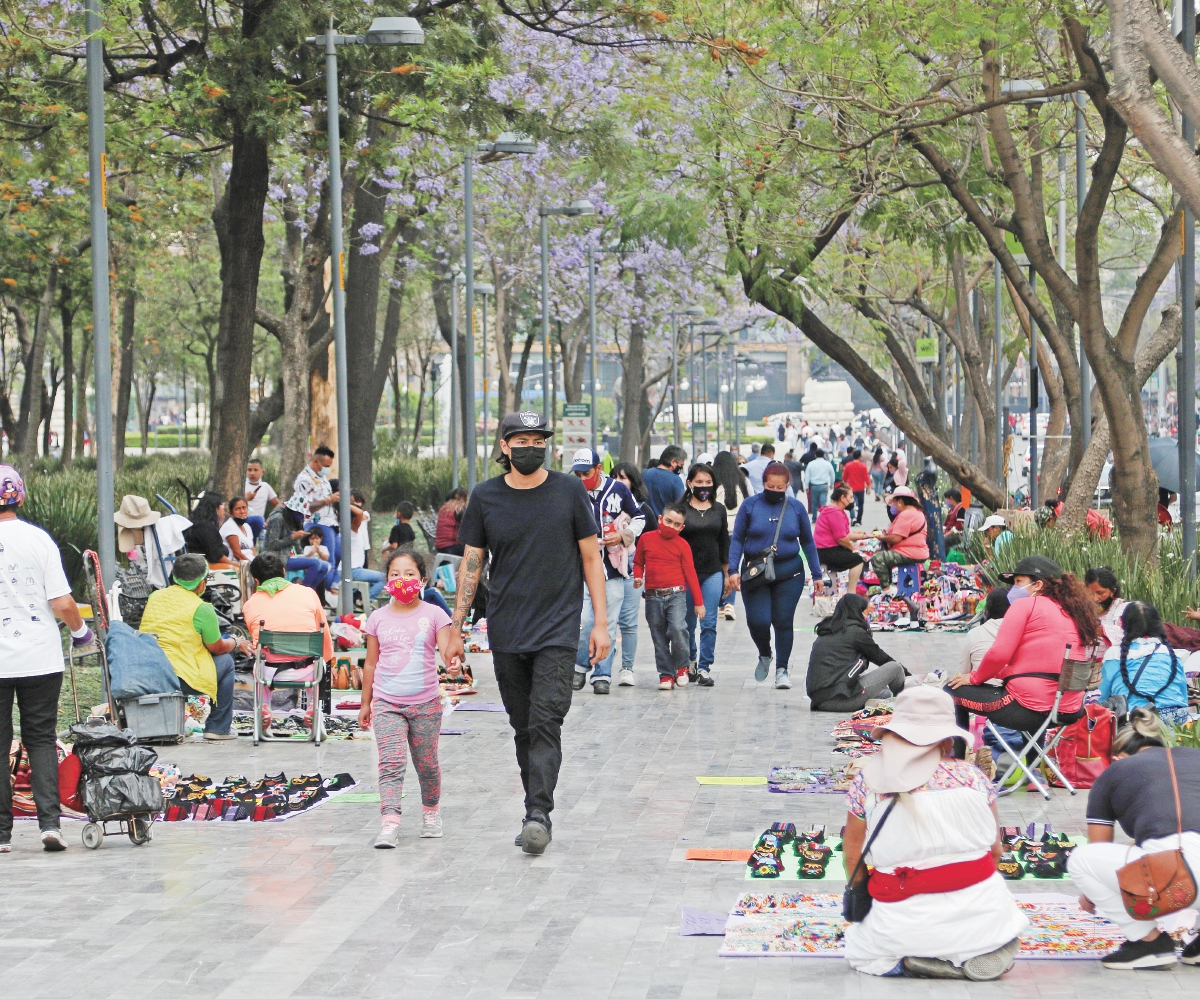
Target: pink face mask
404 590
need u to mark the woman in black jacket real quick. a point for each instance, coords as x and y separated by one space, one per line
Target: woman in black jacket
838 679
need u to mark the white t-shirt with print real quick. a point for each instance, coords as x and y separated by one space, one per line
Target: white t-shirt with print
263 494
230 528
31 575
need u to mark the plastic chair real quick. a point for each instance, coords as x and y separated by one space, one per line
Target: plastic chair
302 649
1072 679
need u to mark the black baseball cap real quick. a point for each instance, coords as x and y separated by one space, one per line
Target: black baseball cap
1035 567
524 422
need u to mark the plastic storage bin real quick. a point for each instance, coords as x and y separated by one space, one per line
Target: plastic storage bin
156 716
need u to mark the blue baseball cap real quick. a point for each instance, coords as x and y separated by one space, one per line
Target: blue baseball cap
584 460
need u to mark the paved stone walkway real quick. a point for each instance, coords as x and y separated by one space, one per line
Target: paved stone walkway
306 908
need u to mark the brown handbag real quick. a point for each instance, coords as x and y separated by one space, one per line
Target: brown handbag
1158 884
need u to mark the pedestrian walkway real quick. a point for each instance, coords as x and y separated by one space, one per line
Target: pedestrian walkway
307 908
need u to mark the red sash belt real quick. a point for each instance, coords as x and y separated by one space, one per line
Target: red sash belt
905 882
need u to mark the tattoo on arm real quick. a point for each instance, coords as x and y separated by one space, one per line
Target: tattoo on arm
468 582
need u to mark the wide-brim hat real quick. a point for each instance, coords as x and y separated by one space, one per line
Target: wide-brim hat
905 492
924 716
135 511
900 766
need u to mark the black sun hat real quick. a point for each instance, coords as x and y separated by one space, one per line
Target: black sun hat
1035 567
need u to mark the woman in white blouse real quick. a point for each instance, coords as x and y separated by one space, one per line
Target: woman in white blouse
236 533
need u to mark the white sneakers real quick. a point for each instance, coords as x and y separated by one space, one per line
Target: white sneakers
625 678
52 840
729 613
431 823
389 833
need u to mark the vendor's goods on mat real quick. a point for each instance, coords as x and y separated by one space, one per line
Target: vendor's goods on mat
196 798
1036 851
457 686
800 924
790 779
811 852
853 734
477 639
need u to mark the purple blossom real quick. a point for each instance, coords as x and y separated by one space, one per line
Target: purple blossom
370 230
367 250
64 192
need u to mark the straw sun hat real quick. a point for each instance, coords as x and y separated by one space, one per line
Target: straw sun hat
911 741
133 515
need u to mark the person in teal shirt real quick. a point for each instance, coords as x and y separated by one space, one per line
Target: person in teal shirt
1144 668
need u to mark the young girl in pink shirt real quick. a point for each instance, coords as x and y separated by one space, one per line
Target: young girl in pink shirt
400 696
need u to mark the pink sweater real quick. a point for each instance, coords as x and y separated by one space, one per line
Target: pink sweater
1032 639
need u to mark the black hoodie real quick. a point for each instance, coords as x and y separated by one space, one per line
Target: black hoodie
840 654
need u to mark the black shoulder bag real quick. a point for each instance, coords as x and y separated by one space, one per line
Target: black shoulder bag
856 899
759 569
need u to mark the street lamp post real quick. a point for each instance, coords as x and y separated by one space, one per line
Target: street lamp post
454 275
507 143
102 347
484 289
591 269
571 210
383 31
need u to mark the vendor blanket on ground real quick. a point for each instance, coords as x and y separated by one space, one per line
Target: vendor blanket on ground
790 779
274 798
797 924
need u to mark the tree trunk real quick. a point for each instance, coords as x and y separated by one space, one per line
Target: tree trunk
441 291
124 374
634 372
66 315
82 424
238 221
33 391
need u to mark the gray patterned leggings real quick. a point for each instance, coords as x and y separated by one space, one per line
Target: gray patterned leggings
399 730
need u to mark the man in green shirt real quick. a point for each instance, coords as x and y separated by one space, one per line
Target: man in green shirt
995 533
189 634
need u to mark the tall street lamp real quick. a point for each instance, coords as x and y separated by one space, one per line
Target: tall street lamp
693 311
573 209
591 266
102 349
484 289
506 144
454 276
383 31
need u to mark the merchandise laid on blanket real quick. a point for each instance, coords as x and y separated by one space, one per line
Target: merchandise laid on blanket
197 798
941 596
789 779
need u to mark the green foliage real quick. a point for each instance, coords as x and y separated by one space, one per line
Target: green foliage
423 481
1166 585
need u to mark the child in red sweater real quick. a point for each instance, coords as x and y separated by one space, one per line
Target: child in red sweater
664 563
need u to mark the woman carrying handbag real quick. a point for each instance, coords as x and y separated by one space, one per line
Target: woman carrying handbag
771 531
1154 793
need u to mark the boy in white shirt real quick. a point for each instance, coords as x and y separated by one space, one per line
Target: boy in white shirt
258 494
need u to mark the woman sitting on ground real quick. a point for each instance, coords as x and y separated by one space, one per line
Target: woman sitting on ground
838 679
983 636
1144 668
833 537
1105 588
1136 791
940 908
1049 610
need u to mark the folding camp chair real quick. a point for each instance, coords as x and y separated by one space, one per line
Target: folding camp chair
303 650
1072 679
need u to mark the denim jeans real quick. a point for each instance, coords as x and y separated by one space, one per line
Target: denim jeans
666 617
316 571
817 495
220 718
333 541
628 624
860 499
536 690
730 600
614 596
710 590
37 703
774 606
877 478
256 526
369 576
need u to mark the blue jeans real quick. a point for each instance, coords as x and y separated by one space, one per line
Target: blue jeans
333 541
256 526
877 478
666 618
614 596
818 495
369 576
628 624
774 606
220 718
710 590
316 571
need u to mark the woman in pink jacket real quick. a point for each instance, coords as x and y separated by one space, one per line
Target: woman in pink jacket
1050 609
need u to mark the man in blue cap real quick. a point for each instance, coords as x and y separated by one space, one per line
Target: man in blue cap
619 521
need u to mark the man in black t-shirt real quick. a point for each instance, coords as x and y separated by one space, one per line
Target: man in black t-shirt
539 528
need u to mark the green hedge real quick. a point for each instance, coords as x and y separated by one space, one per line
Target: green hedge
1166 585
422 481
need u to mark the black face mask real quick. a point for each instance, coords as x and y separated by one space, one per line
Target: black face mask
774 495
703 493
240 521
527 460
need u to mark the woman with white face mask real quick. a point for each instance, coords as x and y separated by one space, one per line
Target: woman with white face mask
1049 610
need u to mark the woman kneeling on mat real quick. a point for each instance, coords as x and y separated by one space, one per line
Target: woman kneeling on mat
838 679
940 908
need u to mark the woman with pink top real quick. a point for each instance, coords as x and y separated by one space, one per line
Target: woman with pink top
833 537
1049 610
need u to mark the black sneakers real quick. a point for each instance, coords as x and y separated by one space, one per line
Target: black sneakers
704 678
1134 954
600 687
1191 953
578 680
535 834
